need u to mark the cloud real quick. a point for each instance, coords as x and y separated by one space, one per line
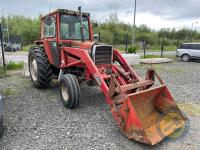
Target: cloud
170 10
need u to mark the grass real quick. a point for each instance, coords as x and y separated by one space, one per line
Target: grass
26 48
9 92
158 56
151 49
14 66
10 66
2 73
166 48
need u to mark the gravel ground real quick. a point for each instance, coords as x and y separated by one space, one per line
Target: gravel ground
36 119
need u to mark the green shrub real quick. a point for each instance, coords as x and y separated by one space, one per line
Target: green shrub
106 37
132 49
26 48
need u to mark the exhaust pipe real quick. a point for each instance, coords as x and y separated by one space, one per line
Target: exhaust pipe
81 27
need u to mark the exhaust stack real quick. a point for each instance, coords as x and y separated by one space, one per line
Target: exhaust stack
81 27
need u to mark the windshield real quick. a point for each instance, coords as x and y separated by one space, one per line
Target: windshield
70 27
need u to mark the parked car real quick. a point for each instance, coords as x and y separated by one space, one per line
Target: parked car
1 116
189 51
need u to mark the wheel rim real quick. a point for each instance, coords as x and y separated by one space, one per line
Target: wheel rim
33 68
65 92
185 58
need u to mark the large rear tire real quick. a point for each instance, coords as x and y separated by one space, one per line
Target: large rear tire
69 91
39 67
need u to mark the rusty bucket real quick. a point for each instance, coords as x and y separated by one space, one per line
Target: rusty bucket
149 116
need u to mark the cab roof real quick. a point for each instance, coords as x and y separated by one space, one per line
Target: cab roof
65 11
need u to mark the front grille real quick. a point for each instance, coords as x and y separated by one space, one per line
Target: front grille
102 54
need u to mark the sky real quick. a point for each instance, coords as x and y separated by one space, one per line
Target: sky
156 14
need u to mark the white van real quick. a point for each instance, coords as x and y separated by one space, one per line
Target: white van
188 51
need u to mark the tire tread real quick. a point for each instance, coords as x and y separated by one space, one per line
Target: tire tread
73 91
44 76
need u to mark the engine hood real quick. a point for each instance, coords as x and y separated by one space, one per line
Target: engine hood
82 45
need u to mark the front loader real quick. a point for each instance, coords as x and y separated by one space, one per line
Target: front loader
144 110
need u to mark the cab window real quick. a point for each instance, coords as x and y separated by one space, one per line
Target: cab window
194 46
70 27
49 27
184 46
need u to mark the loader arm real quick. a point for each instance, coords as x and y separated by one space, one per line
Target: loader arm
90 67
94 70
137 105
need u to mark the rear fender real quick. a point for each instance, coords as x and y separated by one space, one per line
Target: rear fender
48 51
46 46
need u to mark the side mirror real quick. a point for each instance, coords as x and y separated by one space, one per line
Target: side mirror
49 20
96 37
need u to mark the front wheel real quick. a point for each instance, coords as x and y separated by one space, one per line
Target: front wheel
69 91
186 58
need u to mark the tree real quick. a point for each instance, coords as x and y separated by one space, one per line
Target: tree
27 28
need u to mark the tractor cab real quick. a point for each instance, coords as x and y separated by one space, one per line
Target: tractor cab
67 25
65 28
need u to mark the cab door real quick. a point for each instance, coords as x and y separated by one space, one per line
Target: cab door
50 40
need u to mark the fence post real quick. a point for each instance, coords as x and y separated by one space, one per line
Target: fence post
99 36
178 41
162 46
2 48
126 43
144 48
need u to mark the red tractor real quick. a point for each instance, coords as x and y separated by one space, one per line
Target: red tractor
144 111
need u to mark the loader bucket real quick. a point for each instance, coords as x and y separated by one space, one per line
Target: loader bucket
150 115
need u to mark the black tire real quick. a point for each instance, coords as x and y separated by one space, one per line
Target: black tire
69 91
1 127
186 58
42 76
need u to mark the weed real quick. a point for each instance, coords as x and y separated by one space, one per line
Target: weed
9 92
14 66
191 109
2 73
26 48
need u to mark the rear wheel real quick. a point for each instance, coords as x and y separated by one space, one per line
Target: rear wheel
186 58
39 67
69 91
